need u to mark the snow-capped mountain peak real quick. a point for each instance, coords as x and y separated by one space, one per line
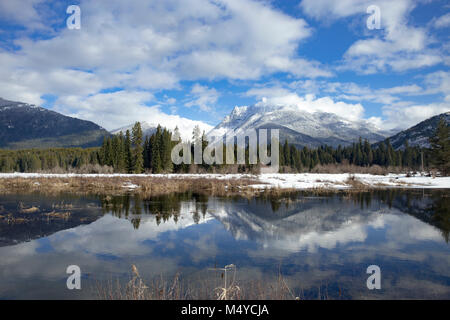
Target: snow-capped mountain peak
300 127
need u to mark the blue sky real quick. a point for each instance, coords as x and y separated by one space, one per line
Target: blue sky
184 63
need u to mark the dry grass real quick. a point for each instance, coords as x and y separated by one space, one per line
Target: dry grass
348 168
120 185
356 184
205 289
154 186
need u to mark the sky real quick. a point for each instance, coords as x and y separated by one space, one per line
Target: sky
190 62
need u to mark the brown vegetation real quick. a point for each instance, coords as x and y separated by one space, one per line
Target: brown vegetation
207 288
349 168
120 185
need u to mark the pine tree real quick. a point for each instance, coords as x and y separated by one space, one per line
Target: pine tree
390 160
368 156
146 153
121 155
407 155
155 141
440 147
287 154
128 153
166 151
296 161
115 152
138 156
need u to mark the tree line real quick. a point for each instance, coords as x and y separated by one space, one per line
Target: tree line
131 152
360 153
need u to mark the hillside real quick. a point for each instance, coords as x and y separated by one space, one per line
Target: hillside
419 134
24 126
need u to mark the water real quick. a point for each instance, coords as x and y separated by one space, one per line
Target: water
321 245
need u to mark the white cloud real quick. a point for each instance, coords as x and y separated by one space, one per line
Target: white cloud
22 12
438 82
204 97
349 91
396 112
309 103
147 46
150 45
400 46
113 110
442 21
398 116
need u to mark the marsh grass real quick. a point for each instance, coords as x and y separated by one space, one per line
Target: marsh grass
121 185
349 168
223 285
355 183
161 185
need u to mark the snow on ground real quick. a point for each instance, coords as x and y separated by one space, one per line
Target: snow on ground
295 181
339 181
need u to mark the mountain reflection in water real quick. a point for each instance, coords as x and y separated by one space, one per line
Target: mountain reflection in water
316 241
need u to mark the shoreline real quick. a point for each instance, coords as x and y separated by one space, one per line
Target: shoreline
217 184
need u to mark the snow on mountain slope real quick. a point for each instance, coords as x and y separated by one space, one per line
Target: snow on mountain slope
298 126
185 126
419 135
147 128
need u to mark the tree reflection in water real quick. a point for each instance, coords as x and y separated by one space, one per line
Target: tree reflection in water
430 206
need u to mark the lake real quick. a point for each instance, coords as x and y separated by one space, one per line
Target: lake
319 244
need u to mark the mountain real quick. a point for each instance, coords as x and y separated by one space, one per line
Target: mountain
291 225
185 126
300 128
147 128
420 133
25 126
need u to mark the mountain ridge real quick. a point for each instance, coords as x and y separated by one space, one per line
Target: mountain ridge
299 127
24 126
419 134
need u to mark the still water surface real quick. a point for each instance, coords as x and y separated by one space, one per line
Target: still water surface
322 245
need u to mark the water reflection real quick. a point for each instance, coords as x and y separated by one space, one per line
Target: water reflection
319 241
163 208
24 217
296 213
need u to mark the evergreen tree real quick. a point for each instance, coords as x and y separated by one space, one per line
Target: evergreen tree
128 153
138 159
440 147
407 155
121 155
287 154
155 141
166 151
146 153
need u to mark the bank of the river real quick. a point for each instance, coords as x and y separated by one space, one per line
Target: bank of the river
218 184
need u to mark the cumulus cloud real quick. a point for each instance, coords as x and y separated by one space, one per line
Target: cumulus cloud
442 21
144 47
112 110
438 82
23 12
397 113
168 41
309 103
204 97
398 47
149 45
398 116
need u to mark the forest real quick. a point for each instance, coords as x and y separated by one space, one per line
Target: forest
131 152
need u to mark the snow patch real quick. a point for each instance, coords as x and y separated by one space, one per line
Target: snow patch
284 181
